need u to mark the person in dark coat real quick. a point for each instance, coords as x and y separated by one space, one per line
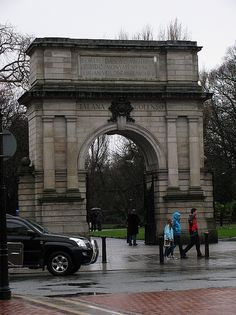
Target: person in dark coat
99 219
133 227
93 220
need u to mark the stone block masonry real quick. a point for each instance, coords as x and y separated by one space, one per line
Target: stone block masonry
146 91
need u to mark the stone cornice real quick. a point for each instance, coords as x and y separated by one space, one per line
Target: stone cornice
86 92
177 195
51 196
111 44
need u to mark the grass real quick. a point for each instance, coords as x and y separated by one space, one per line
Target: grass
117 233
226 231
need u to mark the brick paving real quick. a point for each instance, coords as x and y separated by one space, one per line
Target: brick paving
18 306
212 301
200 301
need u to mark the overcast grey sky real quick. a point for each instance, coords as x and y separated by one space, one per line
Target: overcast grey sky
212 23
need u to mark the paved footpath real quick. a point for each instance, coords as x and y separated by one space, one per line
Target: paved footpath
201 301
212 301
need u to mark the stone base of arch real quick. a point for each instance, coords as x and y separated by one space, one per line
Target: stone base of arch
171 199
66 213
63 213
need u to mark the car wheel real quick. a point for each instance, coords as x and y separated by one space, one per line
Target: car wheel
60 264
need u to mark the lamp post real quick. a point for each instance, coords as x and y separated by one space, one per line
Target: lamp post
5 293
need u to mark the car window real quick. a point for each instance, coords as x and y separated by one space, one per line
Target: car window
16 229
40 228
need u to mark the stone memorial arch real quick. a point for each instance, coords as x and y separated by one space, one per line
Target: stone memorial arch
147 91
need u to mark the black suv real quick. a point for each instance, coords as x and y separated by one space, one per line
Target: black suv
63 255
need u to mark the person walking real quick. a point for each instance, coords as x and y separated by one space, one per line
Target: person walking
133 227
169 240
99 219
176 225
193 232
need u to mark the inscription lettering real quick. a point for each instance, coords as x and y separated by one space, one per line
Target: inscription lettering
117 67
149 107
88 106
137 107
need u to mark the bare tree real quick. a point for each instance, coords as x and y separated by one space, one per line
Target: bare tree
14 64
122 35
97 163
220 121
9 106
98 154
173 31
14 77
145 34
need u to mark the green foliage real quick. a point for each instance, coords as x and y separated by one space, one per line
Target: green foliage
226 212
117 233
223 232
227 231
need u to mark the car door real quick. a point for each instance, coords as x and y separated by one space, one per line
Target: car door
18 231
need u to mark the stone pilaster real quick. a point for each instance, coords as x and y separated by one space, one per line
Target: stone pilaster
194 153
72 178
48 154
173 174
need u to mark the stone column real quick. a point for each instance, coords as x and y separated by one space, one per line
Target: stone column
194 153
48 153
173 173
72 177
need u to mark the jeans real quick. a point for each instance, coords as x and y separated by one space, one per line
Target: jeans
169 250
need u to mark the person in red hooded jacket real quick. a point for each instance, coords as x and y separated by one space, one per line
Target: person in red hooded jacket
193 231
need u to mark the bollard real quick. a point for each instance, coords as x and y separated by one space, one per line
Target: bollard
161 254
206 234
104 250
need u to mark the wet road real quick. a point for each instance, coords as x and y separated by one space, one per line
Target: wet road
135 269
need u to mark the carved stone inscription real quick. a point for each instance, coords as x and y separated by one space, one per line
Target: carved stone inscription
105 106
117 67
92 106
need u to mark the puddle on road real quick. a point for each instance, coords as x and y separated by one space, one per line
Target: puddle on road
75 294
75 285
82 285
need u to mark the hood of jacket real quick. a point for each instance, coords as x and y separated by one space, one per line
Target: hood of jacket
176 223
176 216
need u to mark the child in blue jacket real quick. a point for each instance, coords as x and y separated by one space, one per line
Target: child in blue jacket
169 240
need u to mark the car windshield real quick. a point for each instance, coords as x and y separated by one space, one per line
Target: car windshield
38 227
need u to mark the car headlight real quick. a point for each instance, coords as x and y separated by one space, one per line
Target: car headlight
79 242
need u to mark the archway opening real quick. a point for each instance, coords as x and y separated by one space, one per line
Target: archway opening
118 169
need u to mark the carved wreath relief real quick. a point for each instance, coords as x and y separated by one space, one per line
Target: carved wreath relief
121 107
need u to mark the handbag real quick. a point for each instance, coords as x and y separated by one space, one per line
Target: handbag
167 243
